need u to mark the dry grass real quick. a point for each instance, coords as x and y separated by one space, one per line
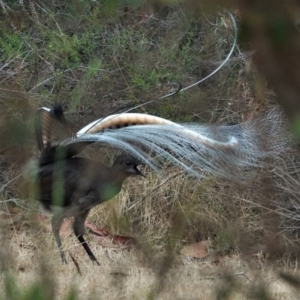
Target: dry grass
124 274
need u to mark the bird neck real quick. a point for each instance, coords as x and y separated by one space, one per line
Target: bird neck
117 176
115 181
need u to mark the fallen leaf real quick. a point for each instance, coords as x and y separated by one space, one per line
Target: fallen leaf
123 239
14 210
95 230
41 217
105 238
10 217
196 250
143 17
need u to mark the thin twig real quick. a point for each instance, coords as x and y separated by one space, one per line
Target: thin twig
76 264
10 181
226 276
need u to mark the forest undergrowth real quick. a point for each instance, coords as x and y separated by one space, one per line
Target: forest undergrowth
187 238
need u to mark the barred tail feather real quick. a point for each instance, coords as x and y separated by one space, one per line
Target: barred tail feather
43 128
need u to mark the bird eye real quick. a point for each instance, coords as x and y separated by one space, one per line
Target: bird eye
127 163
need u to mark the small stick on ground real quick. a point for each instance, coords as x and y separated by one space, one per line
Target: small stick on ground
76 264
228 275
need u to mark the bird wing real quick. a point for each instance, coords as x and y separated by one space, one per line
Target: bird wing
70 180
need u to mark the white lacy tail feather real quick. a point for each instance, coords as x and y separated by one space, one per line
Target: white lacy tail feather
227 151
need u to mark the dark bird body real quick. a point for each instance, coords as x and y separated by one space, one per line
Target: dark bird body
70 187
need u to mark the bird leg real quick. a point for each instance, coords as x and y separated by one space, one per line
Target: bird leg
87 249
79 230
56 224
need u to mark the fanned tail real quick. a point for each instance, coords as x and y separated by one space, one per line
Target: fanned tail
227 151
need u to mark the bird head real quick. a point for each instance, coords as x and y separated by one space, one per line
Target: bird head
127 164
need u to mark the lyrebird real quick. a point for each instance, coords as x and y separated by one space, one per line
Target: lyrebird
200 150
70 186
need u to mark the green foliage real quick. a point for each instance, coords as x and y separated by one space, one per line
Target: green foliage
93 68
42 290
78 51
67 51
144 80
296 126
13 46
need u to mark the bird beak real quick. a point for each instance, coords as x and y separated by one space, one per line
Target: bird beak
138 172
